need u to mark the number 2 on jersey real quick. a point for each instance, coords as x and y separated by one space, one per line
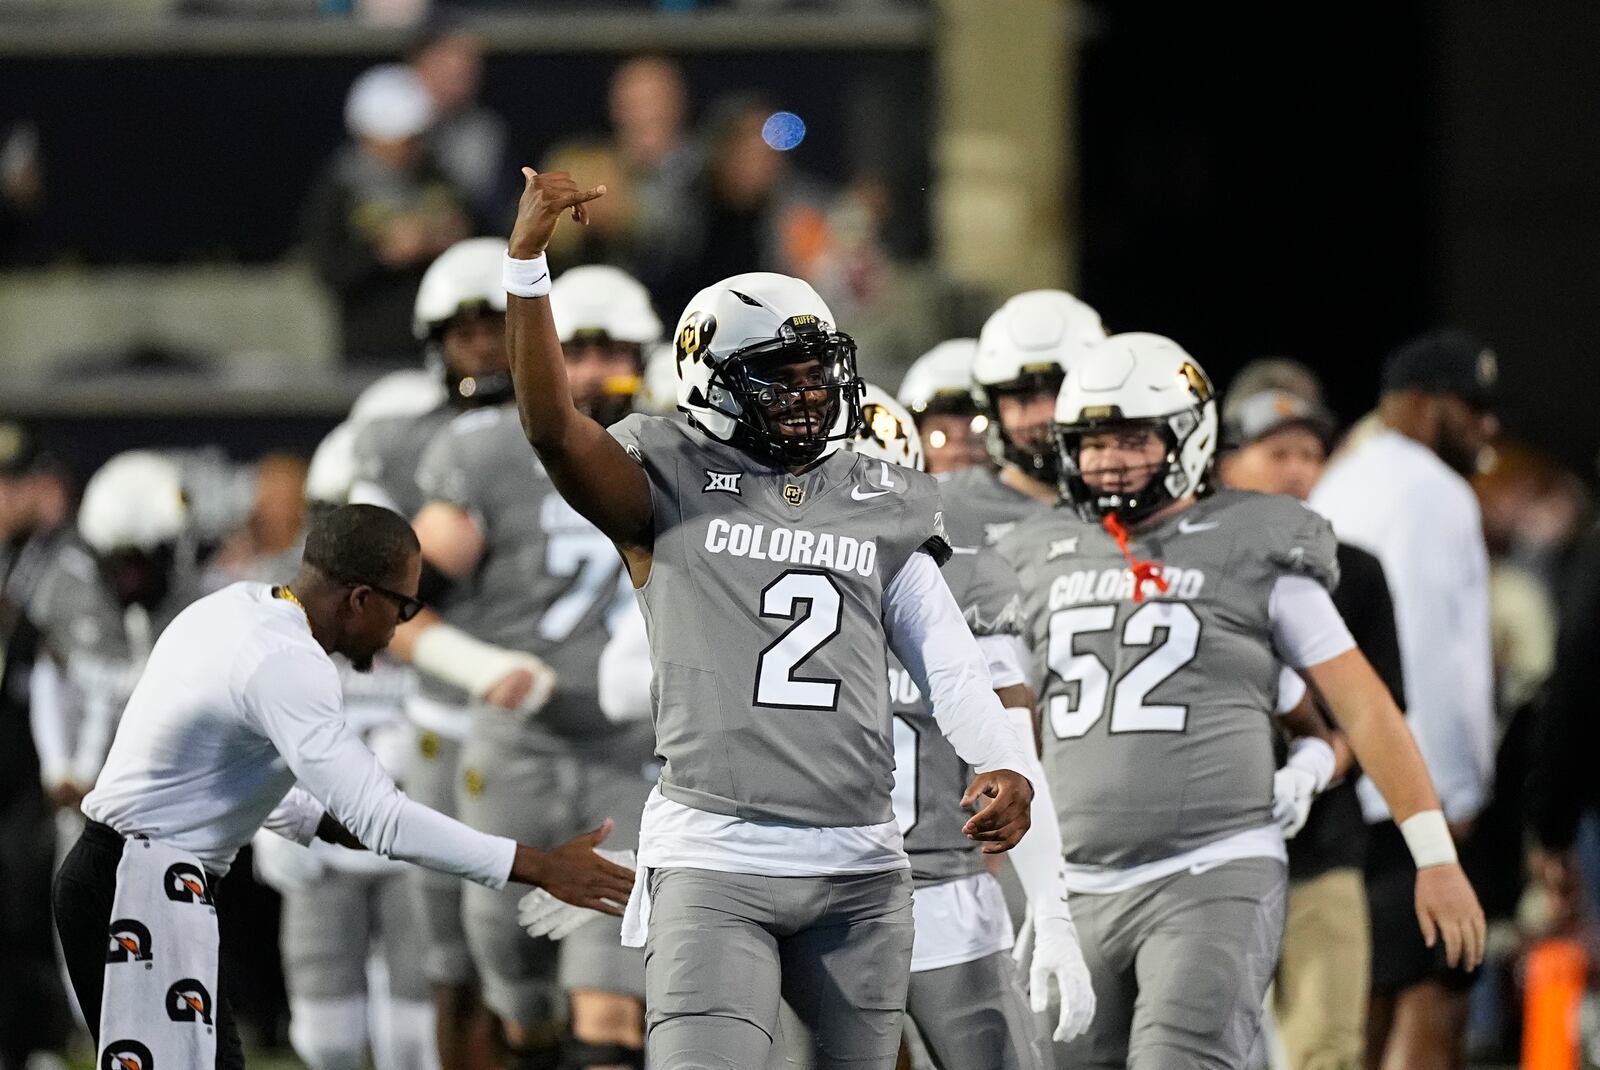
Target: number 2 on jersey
1070 719
813 602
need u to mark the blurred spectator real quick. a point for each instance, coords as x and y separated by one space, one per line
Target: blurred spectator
1277 440
647 223
21 192
759 213
1400 492
381 212
268 545
1531 511
34 504
649 106
467 139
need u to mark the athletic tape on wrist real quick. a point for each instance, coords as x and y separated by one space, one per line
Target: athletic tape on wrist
1428 838
526 278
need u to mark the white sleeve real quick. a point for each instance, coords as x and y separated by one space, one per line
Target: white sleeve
1007 659
94 737
47 719
928 634
1291 689
1306 626
296 818
294 700
1037 858
625 670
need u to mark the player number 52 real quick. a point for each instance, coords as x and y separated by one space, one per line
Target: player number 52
1072 716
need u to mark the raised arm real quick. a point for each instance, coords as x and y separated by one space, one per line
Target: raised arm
589 467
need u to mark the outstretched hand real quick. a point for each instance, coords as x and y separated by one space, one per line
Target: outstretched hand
545 197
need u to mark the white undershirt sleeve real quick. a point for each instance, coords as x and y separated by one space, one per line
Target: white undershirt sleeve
1307 629
928 634
1291 689
625 670
1007 659
47 719
294 700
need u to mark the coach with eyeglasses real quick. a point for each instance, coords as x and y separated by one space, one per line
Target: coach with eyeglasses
239 703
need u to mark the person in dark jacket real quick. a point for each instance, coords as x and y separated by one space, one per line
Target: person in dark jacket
1277 437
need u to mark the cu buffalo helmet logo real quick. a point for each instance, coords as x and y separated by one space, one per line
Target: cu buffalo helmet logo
129 940
1195 381
187 884
188 1001
126 1055
695 336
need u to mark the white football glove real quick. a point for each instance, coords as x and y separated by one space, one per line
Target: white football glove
1299 782
1054 945
542 914
1293 791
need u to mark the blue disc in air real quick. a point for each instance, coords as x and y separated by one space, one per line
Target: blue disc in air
783 130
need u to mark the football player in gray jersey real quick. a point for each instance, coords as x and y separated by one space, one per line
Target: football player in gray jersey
774 572
545 586
1158 683
459 319
965 999
99 609
937 391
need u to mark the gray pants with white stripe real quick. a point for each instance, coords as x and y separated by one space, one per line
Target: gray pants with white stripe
1180 968
725 947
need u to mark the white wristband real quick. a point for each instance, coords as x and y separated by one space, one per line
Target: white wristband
1429 839
526 278
1316 757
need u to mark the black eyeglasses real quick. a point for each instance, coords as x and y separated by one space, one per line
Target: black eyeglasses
409 607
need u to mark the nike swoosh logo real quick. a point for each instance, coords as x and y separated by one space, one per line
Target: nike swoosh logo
859 495
1206 867
1187 528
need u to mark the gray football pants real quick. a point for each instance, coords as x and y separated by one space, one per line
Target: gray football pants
725 947
1180 968
543 800
975 1016
431 781
332 925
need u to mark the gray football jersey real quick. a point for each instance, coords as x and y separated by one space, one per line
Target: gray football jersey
1158 714
764 609
388 452
548 580
388 455
980 509
100 646
929 777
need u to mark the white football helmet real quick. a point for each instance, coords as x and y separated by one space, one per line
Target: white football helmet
134 502
731 344
332 473
463 281
1029 345
888 433
1141 379
941 379
596 299
402 393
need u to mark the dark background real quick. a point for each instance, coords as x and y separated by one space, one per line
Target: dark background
1311 180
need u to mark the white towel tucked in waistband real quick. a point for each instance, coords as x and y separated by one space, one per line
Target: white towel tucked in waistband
159 1010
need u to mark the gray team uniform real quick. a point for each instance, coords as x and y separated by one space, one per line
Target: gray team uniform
548 583
979 509
388 452
764 610
1157 742
360 902
100 646
971 1015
